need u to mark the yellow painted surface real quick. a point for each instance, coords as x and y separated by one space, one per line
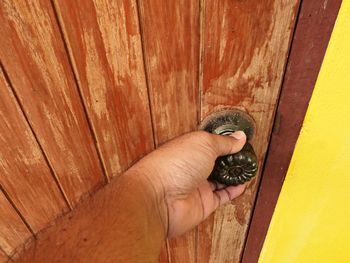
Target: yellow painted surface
311 222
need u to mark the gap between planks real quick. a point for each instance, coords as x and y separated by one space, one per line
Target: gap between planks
145 70
47 162
148 86
78 86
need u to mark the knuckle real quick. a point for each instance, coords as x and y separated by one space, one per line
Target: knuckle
206 137
203 137
202 134
204 140
228 194
209 142
217 200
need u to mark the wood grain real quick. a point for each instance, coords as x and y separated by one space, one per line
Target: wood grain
13 232
245 47
314 27
170 31
104 43
24 173
34 57
171 45
164 253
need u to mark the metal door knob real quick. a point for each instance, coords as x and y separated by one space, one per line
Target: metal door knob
238 168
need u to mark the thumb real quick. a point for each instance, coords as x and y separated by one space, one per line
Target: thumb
230 144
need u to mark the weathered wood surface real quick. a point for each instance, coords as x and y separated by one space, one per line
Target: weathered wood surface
35 60
170 31
164 254
171 46
24 173
104 44
313 30
245 48
13 232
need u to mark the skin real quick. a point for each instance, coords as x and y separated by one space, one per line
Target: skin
163 195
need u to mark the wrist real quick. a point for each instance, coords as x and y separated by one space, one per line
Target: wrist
152 194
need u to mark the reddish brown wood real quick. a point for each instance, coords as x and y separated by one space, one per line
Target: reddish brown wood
244 52
24 173
314 27
34 58
171 46
170 31
13 232
104 43
245 47
183 249
164 254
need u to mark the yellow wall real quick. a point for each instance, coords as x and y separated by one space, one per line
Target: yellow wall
311 222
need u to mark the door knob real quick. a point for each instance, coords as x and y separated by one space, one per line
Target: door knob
238 168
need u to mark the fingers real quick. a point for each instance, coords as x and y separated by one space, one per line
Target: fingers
215 186
235 191
213 195
228 144
221 197
227 194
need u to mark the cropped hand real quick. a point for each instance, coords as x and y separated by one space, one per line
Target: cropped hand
177 172
163 195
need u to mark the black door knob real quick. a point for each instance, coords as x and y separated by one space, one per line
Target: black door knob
238 168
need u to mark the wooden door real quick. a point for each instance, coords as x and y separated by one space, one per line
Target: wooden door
89 87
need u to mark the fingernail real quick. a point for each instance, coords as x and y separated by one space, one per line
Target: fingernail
238 135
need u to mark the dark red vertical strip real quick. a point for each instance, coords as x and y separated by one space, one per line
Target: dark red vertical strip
314 27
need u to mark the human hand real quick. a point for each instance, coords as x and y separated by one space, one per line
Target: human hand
177 172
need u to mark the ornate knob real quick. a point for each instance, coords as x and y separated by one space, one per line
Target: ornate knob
238 168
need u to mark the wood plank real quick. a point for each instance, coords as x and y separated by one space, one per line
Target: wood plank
104 43
34 57
314 27
24 173
171 46
170 31
164 253
3 257
245 47
13 232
